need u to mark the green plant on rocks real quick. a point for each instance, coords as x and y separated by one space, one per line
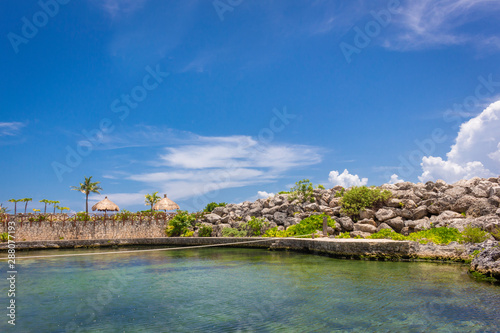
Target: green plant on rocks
360 197
179 224
344 235
4 237
309 225
211 206
303 191
474 235
233 232
387 234
274 232
205 231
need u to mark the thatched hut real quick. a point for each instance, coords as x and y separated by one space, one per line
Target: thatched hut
165 204
105 205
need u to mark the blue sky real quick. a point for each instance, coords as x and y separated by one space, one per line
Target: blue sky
232 100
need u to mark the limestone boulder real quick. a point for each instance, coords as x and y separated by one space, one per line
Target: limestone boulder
396 223
346 223
368 228
213 218
385 214
420 212
383 226
367 214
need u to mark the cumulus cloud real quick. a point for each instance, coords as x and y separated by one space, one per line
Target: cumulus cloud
264 194
345 179
395 179
476 151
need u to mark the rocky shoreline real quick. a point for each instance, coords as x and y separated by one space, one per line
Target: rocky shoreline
411 208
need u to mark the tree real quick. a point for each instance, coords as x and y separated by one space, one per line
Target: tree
88 187
151 199
26 200
54 202
45 201
62 208
15 201
3 210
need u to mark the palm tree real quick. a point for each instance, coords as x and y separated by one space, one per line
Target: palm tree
62 208
151 199
15 201
3 209
45 201
88 187
54 202
26 200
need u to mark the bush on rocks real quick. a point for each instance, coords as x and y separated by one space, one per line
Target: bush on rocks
361 197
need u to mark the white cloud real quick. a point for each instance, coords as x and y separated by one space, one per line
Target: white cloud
118 7
345 179
204 165
10 128
264 194
431 23
395 179
476 151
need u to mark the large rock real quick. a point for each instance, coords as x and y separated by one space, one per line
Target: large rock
385 214
365 228
279 218
368 221
463 203
367 214
383 226
456 192
396 223
488 260
213 218
335 202
312 207
420 212
346 223
360 234
221 211
480 207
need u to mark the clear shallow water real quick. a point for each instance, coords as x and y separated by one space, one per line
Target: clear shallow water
245 290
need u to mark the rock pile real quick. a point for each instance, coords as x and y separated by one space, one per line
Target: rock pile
412 207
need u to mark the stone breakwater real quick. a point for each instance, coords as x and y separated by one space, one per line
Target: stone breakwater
412 207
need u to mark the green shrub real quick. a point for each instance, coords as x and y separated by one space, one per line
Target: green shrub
303 190
255 226
205 231
82 216
321 187
309 225
180 223
344 235
440 236
188 233
125 215
474 235
233 232
496 233
274 232
387 234
361 197
283 192
211 206
41 218
4 237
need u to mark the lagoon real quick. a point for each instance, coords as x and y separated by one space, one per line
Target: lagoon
245 290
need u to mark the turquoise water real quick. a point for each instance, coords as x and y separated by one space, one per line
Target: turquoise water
245 290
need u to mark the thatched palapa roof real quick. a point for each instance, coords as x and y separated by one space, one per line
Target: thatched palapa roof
165 204
105 205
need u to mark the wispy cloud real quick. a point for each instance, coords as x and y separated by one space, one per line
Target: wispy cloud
431 23
10 128
202 164
118 7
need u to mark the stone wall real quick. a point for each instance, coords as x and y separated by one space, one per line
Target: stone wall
57 230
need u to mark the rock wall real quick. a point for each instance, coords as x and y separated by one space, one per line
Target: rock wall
413 207
34 231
